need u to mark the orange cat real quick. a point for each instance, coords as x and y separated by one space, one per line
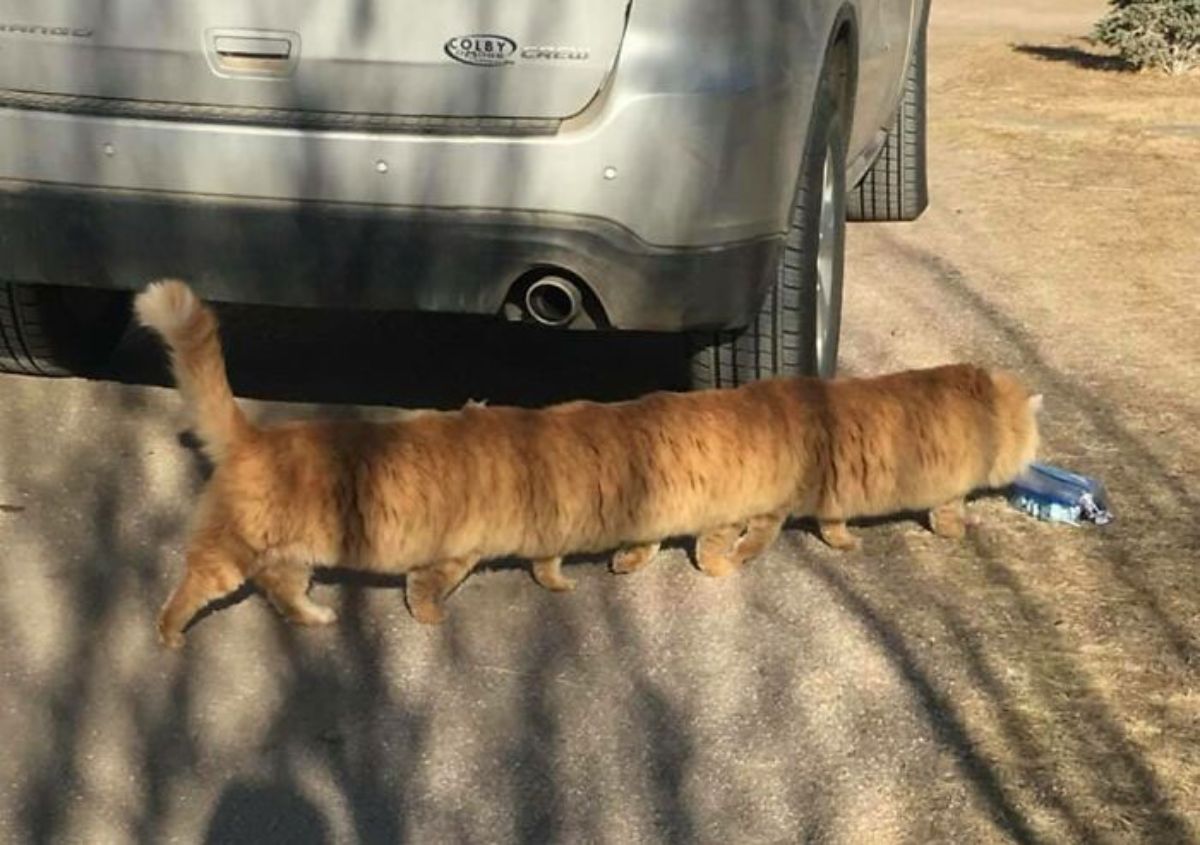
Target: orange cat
911 441
433 494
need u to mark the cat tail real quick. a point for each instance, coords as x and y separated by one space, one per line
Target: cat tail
189 329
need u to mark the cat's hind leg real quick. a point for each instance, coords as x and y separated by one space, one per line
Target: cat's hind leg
216 564
715 550
547 572
632 558
426 589
837 535
286 584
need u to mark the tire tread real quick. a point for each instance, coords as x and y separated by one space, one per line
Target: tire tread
896 187
39 337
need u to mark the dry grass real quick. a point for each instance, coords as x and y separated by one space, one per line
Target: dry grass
1064 238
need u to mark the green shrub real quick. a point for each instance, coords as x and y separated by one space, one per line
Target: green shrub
1162 34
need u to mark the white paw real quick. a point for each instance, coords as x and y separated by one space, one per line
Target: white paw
318 614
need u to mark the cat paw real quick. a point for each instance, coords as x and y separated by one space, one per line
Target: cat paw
633 558
950 522
170 639
846 543
715 566
624 562
949 530
427 612
843 541
547 572
315 616
838 536
743 554
556 583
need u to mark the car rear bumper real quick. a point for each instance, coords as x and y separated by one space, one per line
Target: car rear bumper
668 195
677 170
344 255
693 141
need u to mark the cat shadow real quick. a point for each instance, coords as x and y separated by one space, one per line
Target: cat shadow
336 575
245 591
921 518
808 525
359 579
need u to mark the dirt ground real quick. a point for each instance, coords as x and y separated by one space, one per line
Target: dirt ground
1035 683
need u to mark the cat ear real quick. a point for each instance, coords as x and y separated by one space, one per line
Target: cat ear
1035 403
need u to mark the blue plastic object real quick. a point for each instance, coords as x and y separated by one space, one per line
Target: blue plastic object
1055 495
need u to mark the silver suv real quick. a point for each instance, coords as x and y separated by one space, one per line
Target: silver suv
656 165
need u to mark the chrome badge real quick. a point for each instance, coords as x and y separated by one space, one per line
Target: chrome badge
481 50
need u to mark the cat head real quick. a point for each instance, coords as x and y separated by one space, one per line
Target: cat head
1017 410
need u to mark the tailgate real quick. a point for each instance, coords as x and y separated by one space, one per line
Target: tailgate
465 58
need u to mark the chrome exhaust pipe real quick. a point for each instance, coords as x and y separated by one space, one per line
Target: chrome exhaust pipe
553 301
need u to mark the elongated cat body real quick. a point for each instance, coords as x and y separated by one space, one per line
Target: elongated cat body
434 493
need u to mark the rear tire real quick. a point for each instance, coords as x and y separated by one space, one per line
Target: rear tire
49 330
796 331
897 185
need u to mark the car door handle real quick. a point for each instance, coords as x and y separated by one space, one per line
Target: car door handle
247 47
252 53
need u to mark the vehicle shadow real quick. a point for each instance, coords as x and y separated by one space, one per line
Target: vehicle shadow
346 357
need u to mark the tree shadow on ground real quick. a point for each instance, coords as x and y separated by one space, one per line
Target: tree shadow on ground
1076 56
498 725
364 709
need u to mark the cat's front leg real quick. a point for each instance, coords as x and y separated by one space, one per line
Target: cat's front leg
715 550
547 572
426 589
837 535
761 532
633 558
951 520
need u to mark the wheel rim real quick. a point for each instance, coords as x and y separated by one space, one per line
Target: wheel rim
827 283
